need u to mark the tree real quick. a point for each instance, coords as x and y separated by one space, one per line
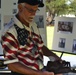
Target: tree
60 7
73 7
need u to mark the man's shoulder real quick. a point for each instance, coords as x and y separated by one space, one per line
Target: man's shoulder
9 27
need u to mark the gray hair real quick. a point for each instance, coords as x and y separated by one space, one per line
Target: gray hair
23 4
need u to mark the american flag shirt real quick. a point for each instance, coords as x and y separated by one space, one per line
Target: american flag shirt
22 44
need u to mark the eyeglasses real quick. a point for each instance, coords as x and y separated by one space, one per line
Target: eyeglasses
30 10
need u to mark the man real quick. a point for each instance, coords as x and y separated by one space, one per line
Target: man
22 44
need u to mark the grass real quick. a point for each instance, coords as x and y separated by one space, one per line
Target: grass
50 32
50 35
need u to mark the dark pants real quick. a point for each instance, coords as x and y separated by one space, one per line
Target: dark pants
14 73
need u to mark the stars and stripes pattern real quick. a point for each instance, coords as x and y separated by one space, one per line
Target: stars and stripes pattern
16 50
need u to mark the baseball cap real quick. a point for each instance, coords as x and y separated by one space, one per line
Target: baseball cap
32 2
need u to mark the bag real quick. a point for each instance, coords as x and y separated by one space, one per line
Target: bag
58 67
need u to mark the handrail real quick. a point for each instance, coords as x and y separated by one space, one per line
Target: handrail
64 52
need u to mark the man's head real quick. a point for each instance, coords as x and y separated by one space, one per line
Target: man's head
27 9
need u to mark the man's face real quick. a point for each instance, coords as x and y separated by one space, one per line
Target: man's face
28 12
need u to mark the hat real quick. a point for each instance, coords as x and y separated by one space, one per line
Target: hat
32 2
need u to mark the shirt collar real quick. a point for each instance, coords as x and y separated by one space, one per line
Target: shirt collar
19 24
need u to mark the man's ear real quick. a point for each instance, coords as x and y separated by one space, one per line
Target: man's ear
20 8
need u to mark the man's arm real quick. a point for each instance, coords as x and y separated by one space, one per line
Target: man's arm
20 68
48 53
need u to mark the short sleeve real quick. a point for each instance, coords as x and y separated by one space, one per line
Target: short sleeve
10 48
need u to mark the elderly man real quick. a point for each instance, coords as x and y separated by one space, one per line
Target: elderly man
22 44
